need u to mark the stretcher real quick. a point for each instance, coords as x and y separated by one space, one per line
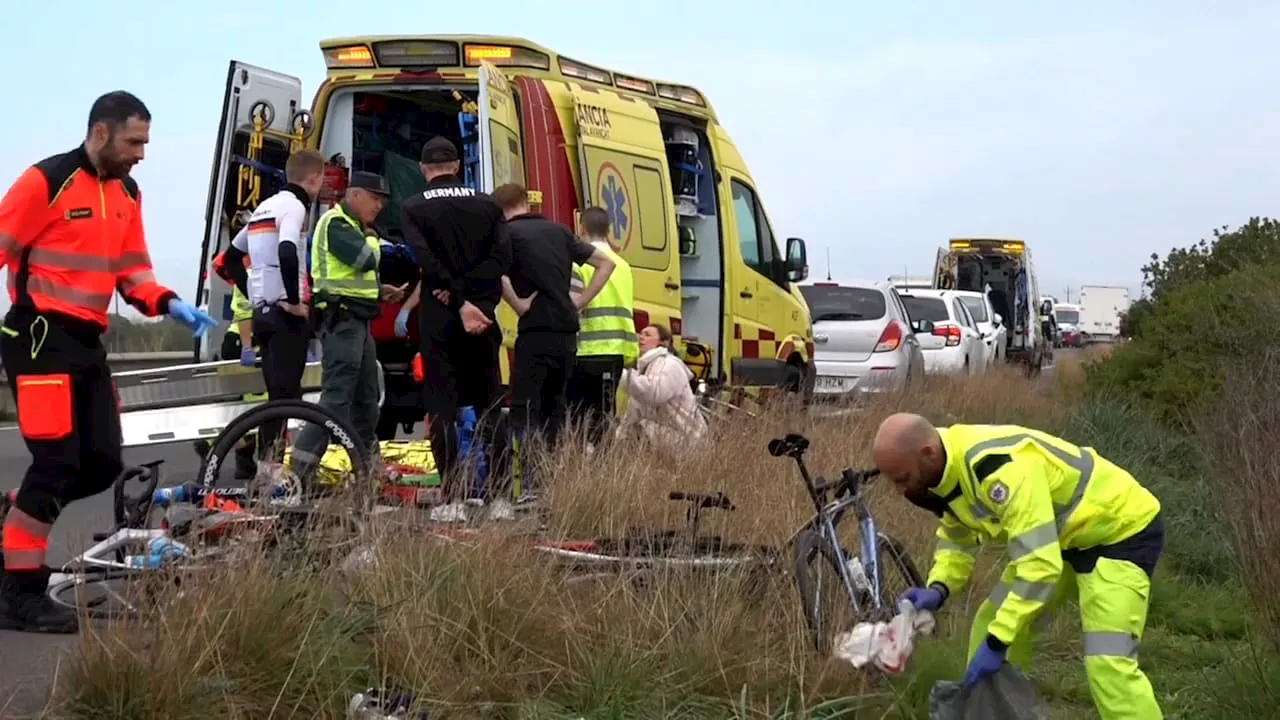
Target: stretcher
194 402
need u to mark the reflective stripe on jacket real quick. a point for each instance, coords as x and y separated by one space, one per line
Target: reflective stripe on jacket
607 325
331 275
72 239
1040 495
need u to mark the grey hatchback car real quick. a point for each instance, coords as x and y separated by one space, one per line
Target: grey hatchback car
864 339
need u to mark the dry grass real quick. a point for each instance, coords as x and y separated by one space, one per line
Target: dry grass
1242 439
492 631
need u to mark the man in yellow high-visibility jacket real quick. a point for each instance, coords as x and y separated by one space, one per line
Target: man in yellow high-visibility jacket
346 290
606 336
1073 522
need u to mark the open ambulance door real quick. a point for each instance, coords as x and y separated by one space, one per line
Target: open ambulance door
944 269
248 167
501 153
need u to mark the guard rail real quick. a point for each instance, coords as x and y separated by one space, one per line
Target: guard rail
118 362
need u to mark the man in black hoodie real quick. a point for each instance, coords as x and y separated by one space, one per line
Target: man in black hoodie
453 232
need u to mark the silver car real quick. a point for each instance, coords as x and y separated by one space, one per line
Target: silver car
864 339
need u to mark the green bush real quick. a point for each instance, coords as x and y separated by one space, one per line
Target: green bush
1187 338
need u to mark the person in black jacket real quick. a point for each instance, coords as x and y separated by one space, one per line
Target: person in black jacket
453 232
537 288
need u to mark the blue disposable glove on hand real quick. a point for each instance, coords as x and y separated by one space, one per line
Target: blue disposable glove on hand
985 662
924 598
196 320
248 357
402 323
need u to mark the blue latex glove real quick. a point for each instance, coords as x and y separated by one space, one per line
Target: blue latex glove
402 323
248 357
311 356
196 320
924 598
985 662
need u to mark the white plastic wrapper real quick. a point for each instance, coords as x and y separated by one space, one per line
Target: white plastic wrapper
888 645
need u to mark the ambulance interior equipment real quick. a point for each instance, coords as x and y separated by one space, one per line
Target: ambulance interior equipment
382 130
693 189
1000 272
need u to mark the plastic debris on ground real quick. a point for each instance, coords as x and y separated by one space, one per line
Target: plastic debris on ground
888 645
1006 695
373 704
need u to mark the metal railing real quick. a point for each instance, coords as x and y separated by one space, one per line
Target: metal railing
119 362
138 360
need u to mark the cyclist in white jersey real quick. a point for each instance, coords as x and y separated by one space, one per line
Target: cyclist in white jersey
276 281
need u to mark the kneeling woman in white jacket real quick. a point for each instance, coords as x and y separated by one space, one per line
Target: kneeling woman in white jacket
660 402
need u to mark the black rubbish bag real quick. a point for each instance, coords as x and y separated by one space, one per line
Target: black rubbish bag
1006 695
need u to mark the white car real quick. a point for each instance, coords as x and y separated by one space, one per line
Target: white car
955 345
990 324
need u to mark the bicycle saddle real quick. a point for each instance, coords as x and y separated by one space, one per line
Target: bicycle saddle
793 445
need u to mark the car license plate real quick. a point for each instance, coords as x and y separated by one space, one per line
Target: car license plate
831 383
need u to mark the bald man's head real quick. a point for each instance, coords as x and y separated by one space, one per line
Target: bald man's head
909 452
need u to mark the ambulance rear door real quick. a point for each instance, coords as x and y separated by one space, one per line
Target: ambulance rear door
248 167
501 152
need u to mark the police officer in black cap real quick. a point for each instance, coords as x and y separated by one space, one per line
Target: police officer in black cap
453 231
344 268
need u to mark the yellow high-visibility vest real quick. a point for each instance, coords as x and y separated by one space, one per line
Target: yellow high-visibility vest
333 277
607 325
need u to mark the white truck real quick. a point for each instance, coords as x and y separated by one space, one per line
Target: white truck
1100 310
1004 270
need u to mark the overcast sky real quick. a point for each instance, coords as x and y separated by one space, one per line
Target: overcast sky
1098 132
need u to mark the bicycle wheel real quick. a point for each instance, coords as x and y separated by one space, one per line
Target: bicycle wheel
828 609
103 594
340 432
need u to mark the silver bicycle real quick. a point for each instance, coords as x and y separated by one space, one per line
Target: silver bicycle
858 582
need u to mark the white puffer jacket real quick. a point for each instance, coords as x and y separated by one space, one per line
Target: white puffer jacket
660 401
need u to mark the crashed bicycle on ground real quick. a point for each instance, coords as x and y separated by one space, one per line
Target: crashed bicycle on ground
202 526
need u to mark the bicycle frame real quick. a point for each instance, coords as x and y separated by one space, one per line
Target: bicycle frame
827 517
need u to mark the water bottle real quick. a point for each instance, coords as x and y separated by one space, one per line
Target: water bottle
858 574
163 497
160 550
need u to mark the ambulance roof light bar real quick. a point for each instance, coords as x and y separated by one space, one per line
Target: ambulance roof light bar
582 71
350 56
504 56
680 93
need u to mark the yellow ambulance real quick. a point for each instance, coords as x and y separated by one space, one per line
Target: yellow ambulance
683 208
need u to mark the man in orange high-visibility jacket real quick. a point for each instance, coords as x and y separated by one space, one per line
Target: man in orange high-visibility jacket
71 236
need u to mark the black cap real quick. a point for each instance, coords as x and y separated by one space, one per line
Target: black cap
439 149
372 182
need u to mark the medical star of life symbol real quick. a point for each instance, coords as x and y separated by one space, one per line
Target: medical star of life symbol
615 206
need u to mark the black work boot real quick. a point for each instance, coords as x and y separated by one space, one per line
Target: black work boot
25 605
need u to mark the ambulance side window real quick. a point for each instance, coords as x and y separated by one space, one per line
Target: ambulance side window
755 237
744 212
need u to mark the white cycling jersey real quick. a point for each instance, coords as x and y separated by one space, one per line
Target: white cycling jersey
278 219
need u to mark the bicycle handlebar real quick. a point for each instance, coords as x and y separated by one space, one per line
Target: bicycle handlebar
794 446
131 511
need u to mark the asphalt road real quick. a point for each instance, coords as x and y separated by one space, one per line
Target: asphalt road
28 662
